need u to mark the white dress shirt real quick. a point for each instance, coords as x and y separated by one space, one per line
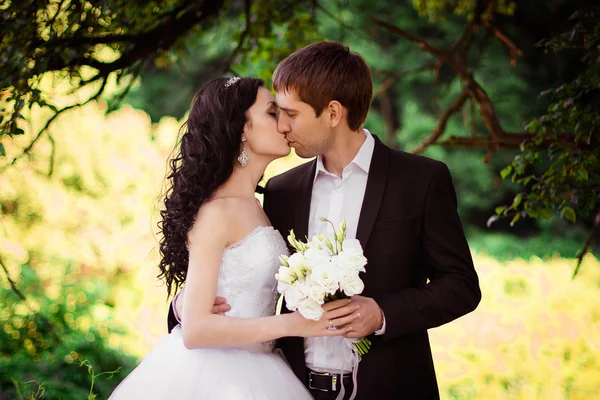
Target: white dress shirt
337 198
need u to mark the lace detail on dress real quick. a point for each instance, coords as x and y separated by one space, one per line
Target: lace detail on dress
247 275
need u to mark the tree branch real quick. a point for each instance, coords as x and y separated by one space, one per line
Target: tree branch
514 50
508 141
443 122
21 296
248 5
11 282
587 244
475 90
39 135
425 45
143 45
388 82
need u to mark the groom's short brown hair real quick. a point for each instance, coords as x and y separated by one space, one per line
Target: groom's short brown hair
326 71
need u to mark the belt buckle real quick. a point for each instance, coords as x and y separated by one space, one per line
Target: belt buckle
333 381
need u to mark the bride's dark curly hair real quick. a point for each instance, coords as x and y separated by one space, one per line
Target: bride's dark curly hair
208 150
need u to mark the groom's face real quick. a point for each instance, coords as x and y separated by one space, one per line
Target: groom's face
308 134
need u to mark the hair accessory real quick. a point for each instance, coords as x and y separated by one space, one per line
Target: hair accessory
231 81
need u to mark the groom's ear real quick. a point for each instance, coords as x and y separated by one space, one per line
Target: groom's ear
335 112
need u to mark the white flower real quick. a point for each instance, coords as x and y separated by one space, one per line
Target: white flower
352 255
286 275
351 284
316 293
281 286
310 309
352 246
325 275
293 295
348 262
298 264
315 256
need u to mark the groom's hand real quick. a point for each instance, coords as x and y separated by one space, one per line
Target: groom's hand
370 317
220 307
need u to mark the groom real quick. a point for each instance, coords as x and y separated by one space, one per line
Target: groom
402 209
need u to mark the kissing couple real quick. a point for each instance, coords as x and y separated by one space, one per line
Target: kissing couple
225 340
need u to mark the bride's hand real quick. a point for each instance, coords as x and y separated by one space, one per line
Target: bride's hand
339 313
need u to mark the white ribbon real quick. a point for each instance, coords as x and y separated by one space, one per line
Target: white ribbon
352 357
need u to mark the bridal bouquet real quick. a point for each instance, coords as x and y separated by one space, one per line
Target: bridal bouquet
322 270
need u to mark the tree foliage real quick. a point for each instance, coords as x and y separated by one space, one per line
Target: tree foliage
566 138
92 43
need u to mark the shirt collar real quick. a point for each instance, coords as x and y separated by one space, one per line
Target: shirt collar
361 160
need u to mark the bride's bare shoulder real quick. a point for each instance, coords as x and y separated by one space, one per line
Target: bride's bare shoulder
212 219
220 214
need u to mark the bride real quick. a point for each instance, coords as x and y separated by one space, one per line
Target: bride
218 240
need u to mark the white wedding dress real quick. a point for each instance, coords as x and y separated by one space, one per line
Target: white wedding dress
170 371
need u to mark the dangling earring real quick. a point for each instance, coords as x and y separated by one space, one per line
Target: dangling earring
243 158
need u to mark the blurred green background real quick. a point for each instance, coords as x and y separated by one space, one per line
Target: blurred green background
78 212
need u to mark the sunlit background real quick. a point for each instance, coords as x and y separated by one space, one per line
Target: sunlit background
78 236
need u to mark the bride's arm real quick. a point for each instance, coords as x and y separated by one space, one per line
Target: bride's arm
203 329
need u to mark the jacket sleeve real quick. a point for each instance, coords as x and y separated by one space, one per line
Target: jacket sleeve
453 287
172 320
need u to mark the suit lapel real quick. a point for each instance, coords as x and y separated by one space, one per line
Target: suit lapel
376 181
304 194
293 347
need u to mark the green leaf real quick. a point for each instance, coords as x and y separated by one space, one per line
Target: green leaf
500 210
569 214
515 219
506 171
2 151
517 200
526 181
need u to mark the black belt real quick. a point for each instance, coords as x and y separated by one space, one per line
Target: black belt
327 382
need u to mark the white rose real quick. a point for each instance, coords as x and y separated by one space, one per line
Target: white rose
316 293
325 275
285 275
352 246
351 261
298 264
293 295
351 284
315 256
310 309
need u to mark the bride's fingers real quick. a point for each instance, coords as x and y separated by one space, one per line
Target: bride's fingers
336 332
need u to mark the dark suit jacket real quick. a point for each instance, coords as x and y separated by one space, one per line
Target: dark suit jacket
419 269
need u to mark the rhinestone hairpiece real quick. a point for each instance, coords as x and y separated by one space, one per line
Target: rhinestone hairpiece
231 81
